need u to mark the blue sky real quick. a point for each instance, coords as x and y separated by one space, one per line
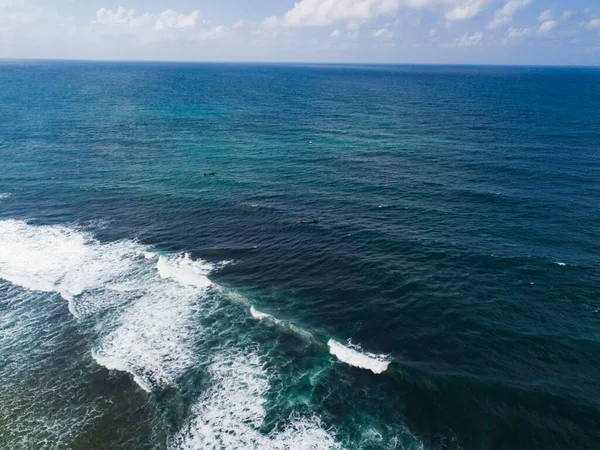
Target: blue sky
371 31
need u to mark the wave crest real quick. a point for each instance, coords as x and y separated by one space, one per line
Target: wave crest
231 412
352 355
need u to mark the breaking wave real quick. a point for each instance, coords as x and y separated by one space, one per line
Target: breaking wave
149 324
259 315
230 414
149 337
353 355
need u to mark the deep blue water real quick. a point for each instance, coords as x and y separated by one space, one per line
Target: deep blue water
448 297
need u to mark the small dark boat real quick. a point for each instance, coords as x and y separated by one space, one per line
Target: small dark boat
309 142
309 221
209 174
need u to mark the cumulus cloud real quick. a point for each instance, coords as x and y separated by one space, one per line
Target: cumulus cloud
168 19
566 14
313 13
504 15
127 26
466 9
320 13
466 40
382 33
121 16
543 30
593 24
547 26
335 34
545 15
515 33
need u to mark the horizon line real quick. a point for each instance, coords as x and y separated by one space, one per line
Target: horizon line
297 63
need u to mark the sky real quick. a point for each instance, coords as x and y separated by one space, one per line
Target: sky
520 32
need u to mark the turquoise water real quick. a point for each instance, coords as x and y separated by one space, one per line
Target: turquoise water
447 299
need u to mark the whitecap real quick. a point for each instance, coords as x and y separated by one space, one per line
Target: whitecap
184 270
150 255
259 315
4 195
60 259
148 337
352 355
121 366
562 264
151 339
230 413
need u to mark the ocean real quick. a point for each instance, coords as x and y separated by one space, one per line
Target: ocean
448 298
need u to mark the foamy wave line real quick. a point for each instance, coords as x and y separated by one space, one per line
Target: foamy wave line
230 413
260 315
120 366
352 355
184 270
4 195
283 325
148 339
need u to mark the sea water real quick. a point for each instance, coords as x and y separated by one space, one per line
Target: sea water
448 297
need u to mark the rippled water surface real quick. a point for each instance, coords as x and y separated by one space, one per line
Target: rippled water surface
448 298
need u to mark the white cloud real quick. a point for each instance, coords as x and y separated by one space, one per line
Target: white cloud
270 22
467 40
566 14
312 13
121 16
515 33
466 10
165 20
126 26
320 13
382 33
504 15
547 26
353 26
542 30
432 32
170 19
470 40
545 15
335 34
593 24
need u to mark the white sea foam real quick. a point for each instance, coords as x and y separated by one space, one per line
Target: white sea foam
4 195
562 264
259 315
229 414
150 255
152 338
283 325
60 259
149 338
184 270
121 366
353 355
